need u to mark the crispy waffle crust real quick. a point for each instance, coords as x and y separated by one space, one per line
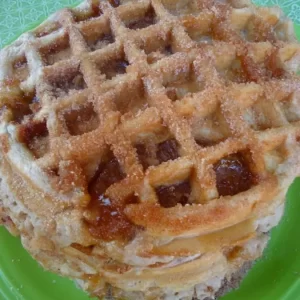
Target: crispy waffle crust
146 146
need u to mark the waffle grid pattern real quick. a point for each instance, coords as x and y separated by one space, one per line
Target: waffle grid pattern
191 73
137 104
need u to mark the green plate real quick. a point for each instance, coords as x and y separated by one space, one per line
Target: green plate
275 277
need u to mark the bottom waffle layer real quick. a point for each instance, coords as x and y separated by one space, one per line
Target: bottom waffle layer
214 286
199 276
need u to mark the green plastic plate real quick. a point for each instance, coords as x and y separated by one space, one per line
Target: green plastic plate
275 277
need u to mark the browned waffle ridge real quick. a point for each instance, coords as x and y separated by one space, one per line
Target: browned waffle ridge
157 129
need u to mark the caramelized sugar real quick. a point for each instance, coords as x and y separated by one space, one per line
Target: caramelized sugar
96 10
22 107
83 249
108 221
233 175
32 130
107 174
115 3
34 135
167 150
147 20
171 93
234 253
111 222
143 155
20 110
170 195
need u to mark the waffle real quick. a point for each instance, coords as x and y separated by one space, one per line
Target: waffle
147 146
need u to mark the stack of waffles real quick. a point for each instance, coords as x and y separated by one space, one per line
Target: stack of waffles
147 146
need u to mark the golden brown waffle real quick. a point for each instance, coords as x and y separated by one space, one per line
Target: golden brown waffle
146 146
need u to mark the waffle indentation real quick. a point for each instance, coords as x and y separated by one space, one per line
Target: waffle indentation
63 84
106 218
149 18
55 52
81 119
108 173
171 195
21 70
233 175
167 150
114 67
181 7
35 136
291 107
24 107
